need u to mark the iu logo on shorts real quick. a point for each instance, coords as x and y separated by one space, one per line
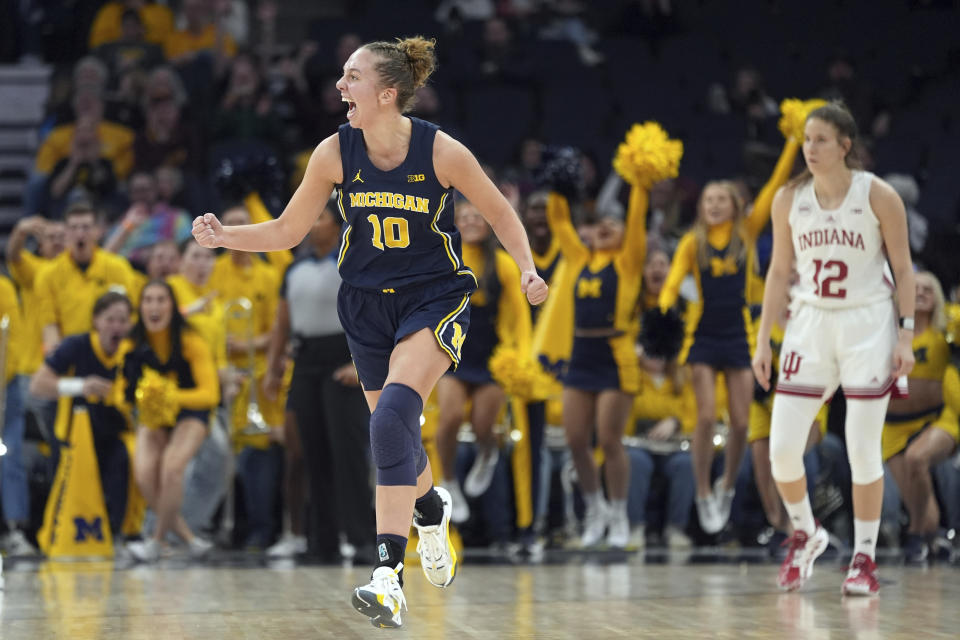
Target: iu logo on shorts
791 364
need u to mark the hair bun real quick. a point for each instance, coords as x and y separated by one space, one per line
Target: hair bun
420 56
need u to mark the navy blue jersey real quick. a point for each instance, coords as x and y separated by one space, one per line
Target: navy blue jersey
723 287
400 229
595 298
81 356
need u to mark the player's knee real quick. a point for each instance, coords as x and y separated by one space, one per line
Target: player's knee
421 460
393 452
866 465
395 436
786 460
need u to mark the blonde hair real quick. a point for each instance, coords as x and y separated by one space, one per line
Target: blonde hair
404 65
737 247
938 317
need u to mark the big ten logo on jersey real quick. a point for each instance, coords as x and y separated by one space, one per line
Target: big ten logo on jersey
723 266
791 365
589 287
920 355
88 529
416 177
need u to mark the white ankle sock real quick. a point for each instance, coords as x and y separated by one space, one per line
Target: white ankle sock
618 509
801 515
593 501
865 534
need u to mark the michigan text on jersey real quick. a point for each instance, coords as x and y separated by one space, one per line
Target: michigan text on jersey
387 200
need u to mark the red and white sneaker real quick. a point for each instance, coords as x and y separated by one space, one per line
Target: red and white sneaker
797 567
861 577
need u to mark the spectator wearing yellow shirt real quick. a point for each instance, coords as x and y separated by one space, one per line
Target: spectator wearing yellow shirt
200 305
67 287
238 274
116 141
207 477
23 265
202 33
663 419
157 21
13 476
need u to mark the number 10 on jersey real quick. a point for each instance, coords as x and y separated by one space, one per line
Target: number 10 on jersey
392 232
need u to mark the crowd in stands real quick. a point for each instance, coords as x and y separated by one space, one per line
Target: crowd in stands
168 110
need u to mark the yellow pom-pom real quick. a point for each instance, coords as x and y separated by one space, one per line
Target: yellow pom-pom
794 114
519 377
156 397
648 155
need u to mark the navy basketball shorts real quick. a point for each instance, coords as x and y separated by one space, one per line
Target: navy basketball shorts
375 321
720 352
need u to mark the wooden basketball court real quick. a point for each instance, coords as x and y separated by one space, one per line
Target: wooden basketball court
568 596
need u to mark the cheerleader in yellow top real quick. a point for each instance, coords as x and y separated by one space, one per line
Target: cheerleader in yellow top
720 254
603 373
498 317
919 431
171 380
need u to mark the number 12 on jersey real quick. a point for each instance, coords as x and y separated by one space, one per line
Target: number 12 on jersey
392 232
826 289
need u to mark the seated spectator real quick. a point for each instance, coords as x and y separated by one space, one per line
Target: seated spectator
84 368
203 33
147 222
917 435
67 287
115 141
108 26
131 50
246 110
90 73
664 415
167 140
85 174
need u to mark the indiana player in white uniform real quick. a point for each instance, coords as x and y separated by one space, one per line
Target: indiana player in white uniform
841 225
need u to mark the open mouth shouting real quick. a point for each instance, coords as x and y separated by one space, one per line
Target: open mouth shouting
351 107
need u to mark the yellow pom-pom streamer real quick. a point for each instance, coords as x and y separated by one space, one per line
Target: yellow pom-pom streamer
521 377
156 397
794 114
648 155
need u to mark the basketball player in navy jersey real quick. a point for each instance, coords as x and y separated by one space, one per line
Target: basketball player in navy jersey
405 293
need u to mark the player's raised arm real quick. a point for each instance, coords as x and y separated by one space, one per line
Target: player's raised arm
323 171
456 167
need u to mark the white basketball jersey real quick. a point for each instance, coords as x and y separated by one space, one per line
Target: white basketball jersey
840 256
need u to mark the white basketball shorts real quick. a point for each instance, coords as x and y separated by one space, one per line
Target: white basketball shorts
853 348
